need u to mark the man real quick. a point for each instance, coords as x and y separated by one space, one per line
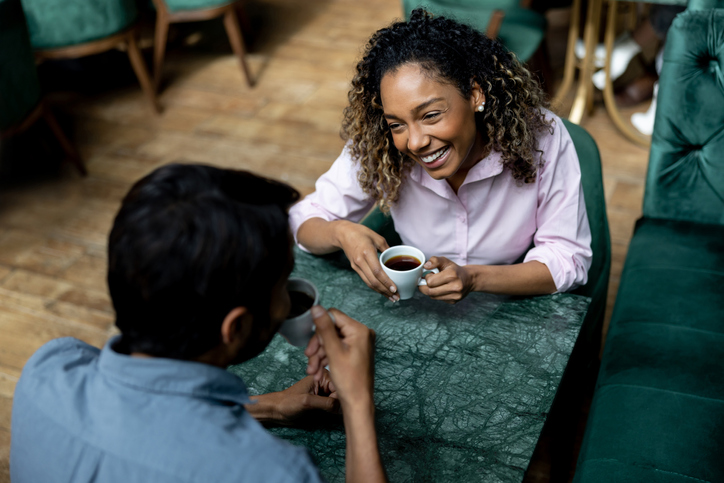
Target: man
198 260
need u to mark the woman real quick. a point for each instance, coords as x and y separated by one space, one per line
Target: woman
449 132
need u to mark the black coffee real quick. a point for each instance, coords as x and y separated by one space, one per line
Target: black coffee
402 263
301 302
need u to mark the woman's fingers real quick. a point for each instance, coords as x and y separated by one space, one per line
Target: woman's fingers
367 265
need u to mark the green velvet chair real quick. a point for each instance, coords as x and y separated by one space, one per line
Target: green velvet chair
66 29
21 102
174 11
658 411
519 28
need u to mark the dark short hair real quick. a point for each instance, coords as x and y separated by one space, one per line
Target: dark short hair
189 244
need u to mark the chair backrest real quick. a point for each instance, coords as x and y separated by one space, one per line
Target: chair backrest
62 23
703 4
522 30
598 275
19 86
685 179
592 182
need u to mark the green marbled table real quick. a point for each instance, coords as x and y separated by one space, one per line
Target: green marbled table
461 391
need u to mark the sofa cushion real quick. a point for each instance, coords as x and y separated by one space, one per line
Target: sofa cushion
674 272
685 180
658 411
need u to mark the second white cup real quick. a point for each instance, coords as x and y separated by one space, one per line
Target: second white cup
405 268
299 327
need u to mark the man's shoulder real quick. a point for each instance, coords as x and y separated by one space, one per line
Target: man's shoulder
63 349
54 357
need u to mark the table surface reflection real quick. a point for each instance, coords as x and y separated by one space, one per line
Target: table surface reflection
461 391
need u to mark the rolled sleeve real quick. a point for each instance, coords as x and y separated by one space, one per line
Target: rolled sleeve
563 237
337 196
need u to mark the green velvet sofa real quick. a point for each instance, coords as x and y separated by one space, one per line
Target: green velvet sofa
658 410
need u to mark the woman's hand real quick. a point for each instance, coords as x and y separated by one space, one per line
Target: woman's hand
451 285
361 245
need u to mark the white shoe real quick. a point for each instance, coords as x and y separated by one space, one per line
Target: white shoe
644 121
599 59
625 48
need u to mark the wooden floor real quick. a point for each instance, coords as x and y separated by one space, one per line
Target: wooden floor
53 223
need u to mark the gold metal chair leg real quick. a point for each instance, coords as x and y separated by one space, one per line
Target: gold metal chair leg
591 39
608 96
569 68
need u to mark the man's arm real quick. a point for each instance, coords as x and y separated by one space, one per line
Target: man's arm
298 404
349 347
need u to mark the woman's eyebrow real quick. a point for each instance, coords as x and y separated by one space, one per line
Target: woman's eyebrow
427 103
418 108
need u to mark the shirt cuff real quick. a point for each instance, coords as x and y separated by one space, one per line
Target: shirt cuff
566 273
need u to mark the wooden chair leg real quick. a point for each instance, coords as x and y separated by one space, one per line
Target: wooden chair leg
237 43
159 48
63 140
245 23
139 67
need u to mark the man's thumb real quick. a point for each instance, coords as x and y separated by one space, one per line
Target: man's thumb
326 329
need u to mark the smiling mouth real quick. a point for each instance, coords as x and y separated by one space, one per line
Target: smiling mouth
434 156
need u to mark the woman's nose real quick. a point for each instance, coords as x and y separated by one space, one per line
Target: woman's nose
417 139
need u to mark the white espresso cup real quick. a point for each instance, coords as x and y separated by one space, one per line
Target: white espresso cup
406 280
299 327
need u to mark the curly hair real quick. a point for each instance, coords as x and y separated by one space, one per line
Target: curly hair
452 53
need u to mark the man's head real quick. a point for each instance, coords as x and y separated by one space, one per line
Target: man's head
190 245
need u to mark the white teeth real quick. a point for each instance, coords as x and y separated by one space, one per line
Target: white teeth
433 156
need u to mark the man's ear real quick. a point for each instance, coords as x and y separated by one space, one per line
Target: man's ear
236 327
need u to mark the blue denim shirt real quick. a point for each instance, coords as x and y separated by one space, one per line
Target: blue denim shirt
81 414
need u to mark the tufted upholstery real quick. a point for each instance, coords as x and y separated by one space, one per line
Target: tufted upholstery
61 23
658 410
19 86
686 167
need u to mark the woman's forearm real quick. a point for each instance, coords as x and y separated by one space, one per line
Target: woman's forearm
529 278
319 236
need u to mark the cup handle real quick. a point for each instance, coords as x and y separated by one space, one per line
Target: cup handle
425 272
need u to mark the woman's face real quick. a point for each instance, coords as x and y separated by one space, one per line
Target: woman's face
432 123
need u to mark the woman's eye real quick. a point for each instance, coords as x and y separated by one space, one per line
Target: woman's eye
431 115
394 126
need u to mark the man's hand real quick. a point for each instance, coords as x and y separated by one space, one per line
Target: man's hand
451 285
304 402
348 347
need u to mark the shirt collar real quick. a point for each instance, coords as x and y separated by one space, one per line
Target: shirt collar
487 167
171 376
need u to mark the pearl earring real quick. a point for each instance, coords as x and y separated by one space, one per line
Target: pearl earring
481 107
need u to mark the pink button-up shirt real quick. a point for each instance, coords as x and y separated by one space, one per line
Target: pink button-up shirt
492 220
